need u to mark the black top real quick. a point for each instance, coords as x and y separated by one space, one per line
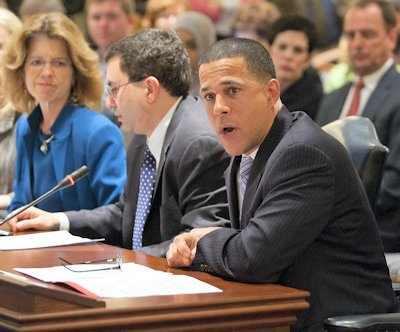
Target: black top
305 94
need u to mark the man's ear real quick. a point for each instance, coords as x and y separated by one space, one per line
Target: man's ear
152 88
273 90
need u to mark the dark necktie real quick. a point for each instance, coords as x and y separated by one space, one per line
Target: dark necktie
355 103
146 187
245 166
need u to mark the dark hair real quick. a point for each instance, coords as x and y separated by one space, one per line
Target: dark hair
388 10
257 58
158 53
296 23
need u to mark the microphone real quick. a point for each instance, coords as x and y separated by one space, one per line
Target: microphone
68 181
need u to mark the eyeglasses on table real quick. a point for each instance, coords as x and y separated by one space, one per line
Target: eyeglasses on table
117 264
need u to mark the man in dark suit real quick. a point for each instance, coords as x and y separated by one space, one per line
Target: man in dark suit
149 76
370 29
304 219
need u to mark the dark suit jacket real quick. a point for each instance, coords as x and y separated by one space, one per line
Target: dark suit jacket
306 223
383 108
189 190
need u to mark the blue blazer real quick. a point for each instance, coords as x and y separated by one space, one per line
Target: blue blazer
82 137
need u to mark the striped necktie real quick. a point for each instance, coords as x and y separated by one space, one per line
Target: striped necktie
245 166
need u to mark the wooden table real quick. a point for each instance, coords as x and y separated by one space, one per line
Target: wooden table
239 307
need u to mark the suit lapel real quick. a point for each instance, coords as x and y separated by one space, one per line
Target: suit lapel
281 125
169 137
29 139
231 188
381 93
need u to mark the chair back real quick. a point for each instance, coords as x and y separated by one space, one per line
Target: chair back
358 135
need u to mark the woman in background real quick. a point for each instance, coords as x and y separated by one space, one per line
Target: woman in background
197 33
162 14
9 23
292 40
55 79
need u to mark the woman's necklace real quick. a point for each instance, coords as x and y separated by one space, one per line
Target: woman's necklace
44 147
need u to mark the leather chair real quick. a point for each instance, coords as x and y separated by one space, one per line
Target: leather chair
359 137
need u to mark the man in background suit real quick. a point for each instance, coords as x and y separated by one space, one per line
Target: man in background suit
149 77
108 21
370 29
304 220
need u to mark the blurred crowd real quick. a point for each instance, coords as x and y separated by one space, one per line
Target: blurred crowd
310 48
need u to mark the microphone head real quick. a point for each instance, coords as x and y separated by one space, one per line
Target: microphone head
75 176
79 173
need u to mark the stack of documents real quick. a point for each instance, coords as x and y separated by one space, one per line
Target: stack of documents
42 240
133 280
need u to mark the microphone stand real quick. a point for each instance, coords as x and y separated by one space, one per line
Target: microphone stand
36 201
69 180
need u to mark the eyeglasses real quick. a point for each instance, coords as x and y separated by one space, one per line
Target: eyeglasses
39 63
113 90
117 264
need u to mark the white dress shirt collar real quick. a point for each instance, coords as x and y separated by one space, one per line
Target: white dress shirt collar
157 137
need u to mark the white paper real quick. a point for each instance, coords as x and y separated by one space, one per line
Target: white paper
134 280
393 262
41 240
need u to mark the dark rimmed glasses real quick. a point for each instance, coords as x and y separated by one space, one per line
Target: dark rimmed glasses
116 264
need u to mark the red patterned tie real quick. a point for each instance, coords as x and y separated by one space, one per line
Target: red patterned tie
355 103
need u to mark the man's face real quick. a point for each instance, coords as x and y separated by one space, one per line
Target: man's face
239 107
370 44
107 23
127 100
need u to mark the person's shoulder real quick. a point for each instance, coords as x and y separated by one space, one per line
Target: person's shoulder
23 123
88 118
91 126
193 117
391 76
305 130
339 91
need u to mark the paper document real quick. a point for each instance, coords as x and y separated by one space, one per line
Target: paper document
134 280
393 262
41 240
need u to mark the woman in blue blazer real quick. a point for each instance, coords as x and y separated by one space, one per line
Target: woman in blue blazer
56 79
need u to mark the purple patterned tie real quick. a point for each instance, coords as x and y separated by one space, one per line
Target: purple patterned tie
245 166
146 188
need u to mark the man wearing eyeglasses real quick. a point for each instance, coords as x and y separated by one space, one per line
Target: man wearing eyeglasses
175 162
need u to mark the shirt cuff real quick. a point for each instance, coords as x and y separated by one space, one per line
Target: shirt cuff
64 221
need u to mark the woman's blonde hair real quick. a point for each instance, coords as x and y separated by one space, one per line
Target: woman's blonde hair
87 87
9 20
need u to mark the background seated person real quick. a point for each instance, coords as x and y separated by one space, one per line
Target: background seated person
55 79
292 39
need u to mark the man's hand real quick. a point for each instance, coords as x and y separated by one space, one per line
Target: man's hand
33 218
182 250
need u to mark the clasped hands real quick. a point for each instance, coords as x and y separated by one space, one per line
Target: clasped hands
182 250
